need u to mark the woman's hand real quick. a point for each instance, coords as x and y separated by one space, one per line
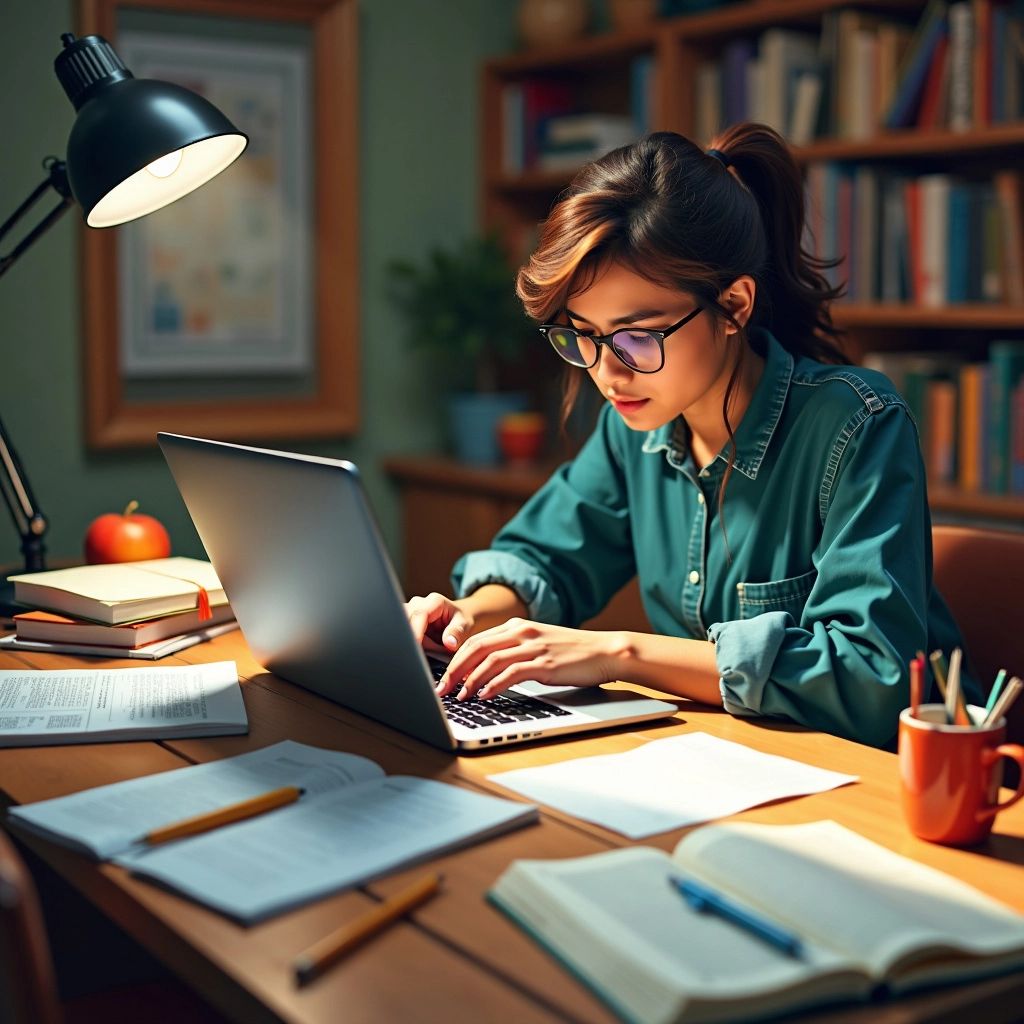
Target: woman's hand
518 650
438 622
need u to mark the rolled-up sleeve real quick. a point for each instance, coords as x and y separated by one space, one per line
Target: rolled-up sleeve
569 548
843 667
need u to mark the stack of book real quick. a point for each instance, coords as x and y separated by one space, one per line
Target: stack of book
140 610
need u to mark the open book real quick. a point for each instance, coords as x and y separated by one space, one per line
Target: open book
868 920
94 705
353 823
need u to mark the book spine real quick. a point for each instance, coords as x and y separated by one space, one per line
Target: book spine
1006 359
915 67
969 446
961 70
1017 456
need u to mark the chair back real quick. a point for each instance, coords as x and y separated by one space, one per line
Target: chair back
28 984
980 573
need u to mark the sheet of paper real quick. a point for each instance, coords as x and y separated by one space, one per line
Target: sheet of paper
314 847
667 784
60 702
110 819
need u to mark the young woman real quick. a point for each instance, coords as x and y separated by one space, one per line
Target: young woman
770 500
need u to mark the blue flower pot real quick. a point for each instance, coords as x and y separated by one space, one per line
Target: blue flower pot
473 423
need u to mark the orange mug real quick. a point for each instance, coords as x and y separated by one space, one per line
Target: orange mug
950 775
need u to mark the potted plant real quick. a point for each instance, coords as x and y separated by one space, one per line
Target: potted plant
462 311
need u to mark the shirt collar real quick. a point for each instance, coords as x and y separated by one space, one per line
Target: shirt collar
757 427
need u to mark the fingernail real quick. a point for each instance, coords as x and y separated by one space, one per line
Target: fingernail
463 694
450 640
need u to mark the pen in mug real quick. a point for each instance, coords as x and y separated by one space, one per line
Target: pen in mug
706 900
1002 706
224 815
994 693
311 962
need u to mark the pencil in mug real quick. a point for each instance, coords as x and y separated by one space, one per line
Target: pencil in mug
938 663
1005 701
956 708
916 684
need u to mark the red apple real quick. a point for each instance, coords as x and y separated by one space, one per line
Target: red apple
128 537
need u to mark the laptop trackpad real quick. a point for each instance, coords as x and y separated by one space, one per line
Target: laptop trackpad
593 700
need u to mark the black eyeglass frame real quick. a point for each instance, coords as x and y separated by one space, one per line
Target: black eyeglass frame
609 340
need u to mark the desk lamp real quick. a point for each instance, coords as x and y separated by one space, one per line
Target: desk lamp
136 145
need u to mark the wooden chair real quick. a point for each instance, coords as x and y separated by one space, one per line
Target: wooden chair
980 573
28 980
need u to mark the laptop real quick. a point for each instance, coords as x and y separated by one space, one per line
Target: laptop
294 542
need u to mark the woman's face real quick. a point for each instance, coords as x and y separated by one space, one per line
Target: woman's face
698 361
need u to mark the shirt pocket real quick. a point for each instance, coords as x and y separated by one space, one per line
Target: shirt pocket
788 595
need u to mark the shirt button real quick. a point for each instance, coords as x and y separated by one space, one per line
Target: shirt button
700 499
694 576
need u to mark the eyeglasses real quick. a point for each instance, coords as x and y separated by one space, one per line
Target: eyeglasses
642 350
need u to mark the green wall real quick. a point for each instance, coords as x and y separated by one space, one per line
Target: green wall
419 80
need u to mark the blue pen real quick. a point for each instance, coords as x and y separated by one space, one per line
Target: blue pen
706 900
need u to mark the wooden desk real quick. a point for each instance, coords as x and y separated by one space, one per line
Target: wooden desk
457 956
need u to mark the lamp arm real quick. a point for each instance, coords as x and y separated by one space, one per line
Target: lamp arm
57 179
30 523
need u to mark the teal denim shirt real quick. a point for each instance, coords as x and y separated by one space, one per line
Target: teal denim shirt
814 582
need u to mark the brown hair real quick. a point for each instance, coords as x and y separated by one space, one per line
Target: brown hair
693 221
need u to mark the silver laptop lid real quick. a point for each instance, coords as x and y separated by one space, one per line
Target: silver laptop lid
293 541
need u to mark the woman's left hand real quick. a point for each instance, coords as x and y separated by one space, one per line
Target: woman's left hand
517 650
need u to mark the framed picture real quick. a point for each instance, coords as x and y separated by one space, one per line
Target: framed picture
221 282
233 312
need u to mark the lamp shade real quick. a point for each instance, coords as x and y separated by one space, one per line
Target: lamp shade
136 144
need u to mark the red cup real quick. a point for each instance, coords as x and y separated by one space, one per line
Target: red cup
521 436
950 775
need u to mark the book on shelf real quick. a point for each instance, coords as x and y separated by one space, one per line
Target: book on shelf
53 628
152 651
353 823
913 70
123 591
1006 361
102 705
866 921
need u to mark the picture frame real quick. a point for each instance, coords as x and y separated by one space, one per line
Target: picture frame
212 367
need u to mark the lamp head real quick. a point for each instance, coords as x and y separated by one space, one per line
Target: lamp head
136 144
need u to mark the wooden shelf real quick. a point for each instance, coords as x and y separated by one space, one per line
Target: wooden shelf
1009 508
916 144
600 49
446 474
518 483
983 317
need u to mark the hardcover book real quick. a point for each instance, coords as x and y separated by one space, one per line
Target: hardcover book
123 591
867 921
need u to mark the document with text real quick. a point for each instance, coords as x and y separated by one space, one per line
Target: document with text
96 705
352 823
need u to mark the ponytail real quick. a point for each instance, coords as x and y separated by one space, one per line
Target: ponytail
794 294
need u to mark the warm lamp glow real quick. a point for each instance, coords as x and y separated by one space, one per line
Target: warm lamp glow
146 191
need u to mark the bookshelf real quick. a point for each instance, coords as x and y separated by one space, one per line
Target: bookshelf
600 71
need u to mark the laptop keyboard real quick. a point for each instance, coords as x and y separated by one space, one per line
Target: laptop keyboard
504 709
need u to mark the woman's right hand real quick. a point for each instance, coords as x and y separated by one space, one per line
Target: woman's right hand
438 622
